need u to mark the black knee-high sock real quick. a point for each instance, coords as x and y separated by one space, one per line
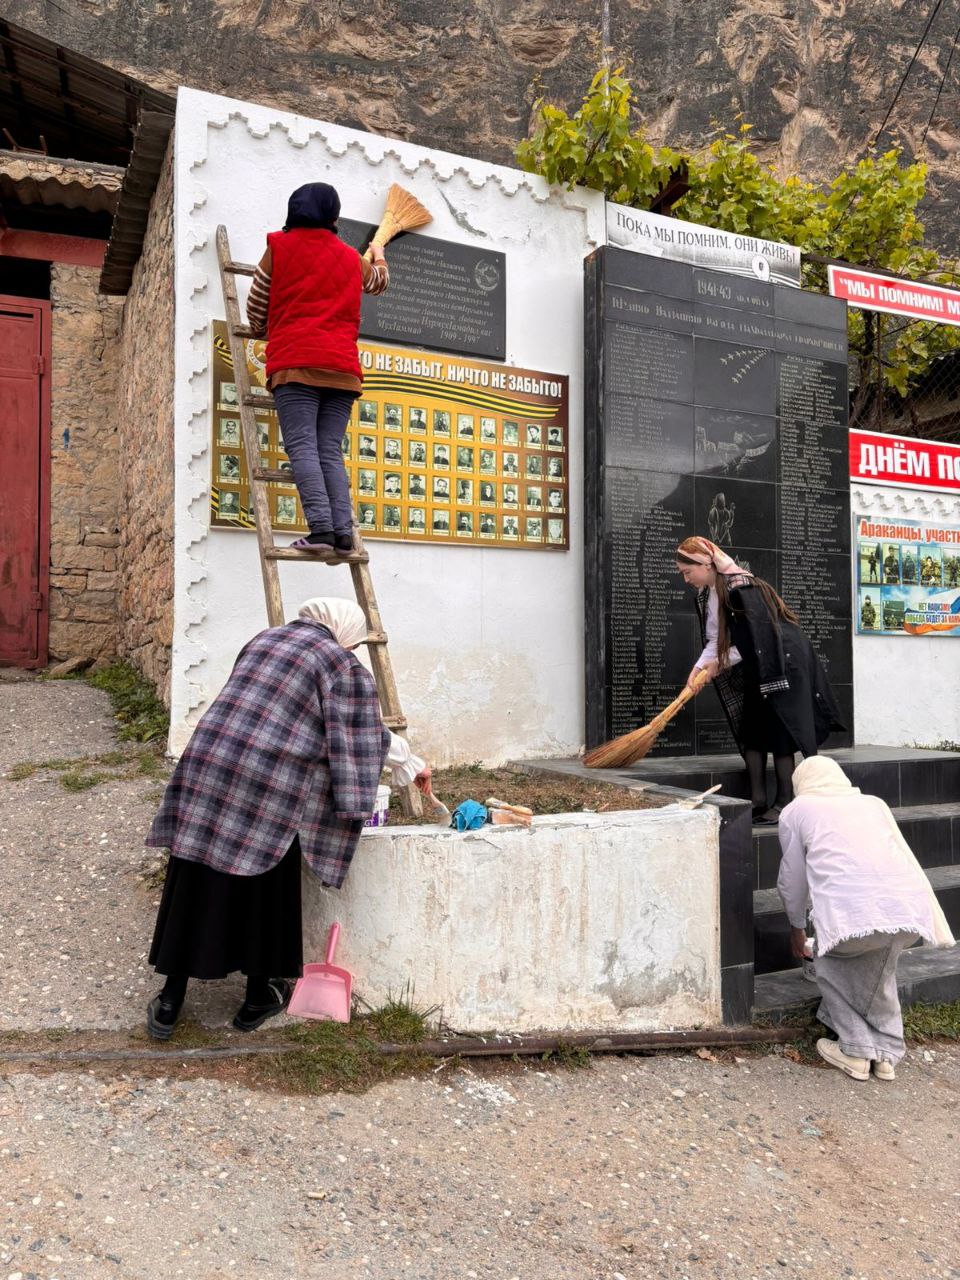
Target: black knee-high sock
783 766
175 988
258 990
756 762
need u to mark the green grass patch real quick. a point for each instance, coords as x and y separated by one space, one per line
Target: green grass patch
25 769
77 780
932 1022
337 1055
399 1020
142 716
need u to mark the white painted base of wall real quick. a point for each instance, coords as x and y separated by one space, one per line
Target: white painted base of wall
584 921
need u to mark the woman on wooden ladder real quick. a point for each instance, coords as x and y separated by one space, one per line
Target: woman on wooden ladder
305 297
772 688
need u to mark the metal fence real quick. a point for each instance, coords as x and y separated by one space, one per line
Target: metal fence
926 405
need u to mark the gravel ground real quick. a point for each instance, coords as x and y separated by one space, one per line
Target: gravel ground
630 1169
655 1168
76 916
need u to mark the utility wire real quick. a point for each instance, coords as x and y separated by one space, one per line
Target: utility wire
916 53
943 80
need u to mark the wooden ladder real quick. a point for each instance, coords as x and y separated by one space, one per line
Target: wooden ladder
270 554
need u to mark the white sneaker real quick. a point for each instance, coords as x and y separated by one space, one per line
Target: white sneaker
856 1068
883 1070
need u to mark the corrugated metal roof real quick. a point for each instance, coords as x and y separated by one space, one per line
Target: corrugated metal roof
81 109
133 210
70 183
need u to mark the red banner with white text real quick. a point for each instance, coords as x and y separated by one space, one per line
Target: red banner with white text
878 458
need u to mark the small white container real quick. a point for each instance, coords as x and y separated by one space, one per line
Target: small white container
379 816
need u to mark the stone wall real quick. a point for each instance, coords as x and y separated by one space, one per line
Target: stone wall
145 415
83 482
815 77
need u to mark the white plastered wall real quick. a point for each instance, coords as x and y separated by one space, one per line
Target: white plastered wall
487 644
905 687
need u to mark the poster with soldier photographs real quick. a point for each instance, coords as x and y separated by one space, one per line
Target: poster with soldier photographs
438 449
907 576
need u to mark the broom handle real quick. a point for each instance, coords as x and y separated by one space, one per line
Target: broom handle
681 700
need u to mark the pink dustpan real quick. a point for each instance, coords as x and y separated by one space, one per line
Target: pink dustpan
324 990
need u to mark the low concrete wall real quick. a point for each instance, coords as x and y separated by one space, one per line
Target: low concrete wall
585 921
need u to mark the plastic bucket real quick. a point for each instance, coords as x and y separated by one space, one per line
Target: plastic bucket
379 816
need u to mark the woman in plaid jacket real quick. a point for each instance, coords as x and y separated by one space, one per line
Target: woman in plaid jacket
284 764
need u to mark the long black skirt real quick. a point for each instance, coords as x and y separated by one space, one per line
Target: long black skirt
210 924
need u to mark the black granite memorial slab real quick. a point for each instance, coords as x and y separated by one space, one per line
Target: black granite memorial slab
733 376
443 296
652 435
814 390
735 292
812 519
812 455
648 362
735 446
654 275
811 308
741 512
742 440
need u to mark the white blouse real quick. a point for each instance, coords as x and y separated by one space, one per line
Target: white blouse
404 764
713 632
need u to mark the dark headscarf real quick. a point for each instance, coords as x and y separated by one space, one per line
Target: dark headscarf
314 205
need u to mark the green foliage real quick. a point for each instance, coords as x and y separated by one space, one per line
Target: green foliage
599 146
135 704
866 215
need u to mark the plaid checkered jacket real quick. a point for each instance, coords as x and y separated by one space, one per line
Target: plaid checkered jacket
293 745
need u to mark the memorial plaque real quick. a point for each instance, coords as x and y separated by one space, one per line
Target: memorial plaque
736 446
443 296
648 362
721 410
728 376
656 435
735 512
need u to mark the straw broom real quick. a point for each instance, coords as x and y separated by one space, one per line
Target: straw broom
403 212
633 746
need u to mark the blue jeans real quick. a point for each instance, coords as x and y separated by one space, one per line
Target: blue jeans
313 421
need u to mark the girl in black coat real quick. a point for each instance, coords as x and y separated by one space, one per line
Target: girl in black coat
771 685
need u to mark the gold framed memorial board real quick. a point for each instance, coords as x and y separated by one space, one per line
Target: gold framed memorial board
439 449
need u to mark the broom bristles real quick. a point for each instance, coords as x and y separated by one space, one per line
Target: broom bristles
633 746
403 212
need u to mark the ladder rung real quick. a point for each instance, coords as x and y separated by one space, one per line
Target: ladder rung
395 722
273 473
262 401
327 556
244 331
239 268
377 637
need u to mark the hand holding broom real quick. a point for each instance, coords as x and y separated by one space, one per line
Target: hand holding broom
403 212
633 746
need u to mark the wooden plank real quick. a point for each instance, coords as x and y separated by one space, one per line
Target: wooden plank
272 473
326 556
256 400
238 268
248 427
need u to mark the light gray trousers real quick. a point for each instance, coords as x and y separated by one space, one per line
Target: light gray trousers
858 982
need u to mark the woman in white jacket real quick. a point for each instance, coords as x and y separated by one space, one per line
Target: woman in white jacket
844 856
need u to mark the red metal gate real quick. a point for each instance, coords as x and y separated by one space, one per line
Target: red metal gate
24 481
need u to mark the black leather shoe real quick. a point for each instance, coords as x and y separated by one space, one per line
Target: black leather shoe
162 1017
251 1016
343 542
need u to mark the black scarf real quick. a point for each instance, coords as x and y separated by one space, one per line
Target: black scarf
314 205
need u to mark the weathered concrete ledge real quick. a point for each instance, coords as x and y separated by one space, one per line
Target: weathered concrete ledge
583 922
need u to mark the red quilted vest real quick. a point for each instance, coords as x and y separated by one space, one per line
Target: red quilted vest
314 314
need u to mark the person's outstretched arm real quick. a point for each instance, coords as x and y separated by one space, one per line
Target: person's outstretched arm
792 880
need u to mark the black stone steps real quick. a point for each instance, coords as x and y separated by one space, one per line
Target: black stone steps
924 975
771 929
932 831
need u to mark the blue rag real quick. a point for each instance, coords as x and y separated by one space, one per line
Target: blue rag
468 816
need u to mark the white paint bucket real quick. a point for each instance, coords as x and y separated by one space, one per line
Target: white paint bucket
379 816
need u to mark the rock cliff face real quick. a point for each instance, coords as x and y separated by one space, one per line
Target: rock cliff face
814 76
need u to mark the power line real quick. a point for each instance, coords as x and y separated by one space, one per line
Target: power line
903 80
943 80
